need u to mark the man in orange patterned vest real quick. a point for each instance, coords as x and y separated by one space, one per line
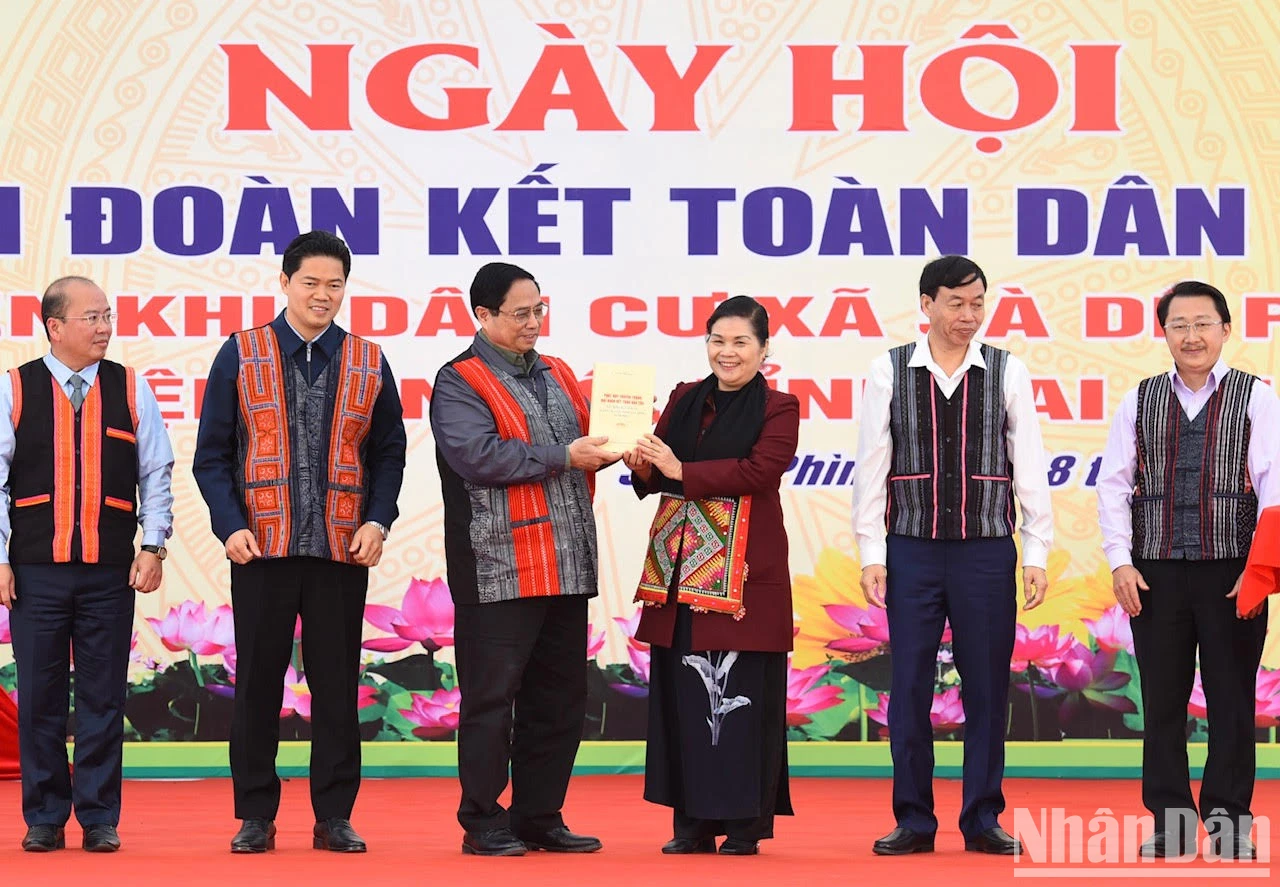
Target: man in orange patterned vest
300 456
517 473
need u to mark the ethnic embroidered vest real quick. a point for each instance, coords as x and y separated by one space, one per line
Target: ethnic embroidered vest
1192 495
950 477
73 480
301 460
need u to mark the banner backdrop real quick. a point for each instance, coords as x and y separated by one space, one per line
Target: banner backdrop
644 160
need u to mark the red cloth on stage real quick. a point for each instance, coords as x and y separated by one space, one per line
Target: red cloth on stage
8 737
1262 570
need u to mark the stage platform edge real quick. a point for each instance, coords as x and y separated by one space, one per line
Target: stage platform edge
1082 759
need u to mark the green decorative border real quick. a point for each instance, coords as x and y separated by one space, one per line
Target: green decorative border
1079 759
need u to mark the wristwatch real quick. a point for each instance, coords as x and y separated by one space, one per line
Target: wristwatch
158 550
381 529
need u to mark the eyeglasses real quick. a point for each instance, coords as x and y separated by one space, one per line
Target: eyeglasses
1201 327
522 316
94 318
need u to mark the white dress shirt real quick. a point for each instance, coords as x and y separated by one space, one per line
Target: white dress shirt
1022 439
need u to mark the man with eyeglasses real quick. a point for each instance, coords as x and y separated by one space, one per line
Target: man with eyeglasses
84 460
1189 465
300 457
517 475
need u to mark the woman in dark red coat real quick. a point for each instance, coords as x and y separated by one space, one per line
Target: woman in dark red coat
717 593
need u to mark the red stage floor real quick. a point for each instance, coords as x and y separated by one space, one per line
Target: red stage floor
177 833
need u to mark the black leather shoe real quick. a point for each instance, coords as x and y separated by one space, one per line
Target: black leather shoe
688 845
902 841
994 840
101 839
493 842
1237 847
43 838
561 840
1163 844
255 836
336 834
739 847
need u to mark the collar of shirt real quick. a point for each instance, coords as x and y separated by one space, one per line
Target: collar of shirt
63 373
1211 384
291 340
923 357
523 363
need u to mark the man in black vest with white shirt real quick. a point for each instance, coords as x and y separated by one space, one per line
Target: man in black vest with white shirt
1190 463
948 439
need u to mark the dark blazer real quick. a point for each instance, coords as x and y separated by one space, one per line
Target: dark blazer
768 623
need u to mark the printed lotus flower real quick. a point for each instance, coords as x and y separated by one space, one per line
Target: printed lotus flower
6 636
1267 695
804 697
946 712
637 653
1196 706
1041 647
425 617
1071 600
832 591
1087 677
1112 630
187 628
866 631
297 695
436 715
595 642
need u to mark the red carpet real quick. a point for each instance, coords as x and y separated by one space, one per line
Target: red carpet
177 833
8 737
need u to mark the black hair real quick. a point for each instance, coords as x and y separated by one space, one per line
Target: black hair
743 306
54 302
951 272
315 243
1193 288
492 282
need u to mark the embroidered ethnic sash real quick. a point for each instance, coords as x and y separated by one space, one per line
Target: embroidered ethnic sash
358 388
707 538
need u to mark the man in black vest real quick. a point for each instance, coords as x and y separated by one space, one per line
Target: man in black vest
948 438
1190 463
300 456
84 459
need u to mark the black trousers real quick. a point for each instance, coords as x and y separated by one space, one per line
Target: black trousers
971 582
1187 607
60 607
267 596
522 669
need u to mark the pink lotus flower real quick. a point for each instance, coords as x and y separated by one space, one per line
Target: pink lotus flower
1196 706
1087 677
1267 710
186 628
425 617
436 715
1112 630
803 698
297 695
1040 647
946 713
638 653
868 630
595 642
6 636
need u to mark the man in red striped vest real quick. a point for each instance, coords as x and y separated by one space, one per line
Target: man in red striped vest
84 459
300 456
517 474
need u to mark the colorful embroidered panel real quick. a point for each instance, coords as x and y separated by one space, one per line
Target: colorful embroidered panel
266 461
359 384
707 538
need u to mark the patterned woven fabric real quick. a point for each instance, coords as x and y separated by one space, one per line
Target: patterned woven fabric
707 540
